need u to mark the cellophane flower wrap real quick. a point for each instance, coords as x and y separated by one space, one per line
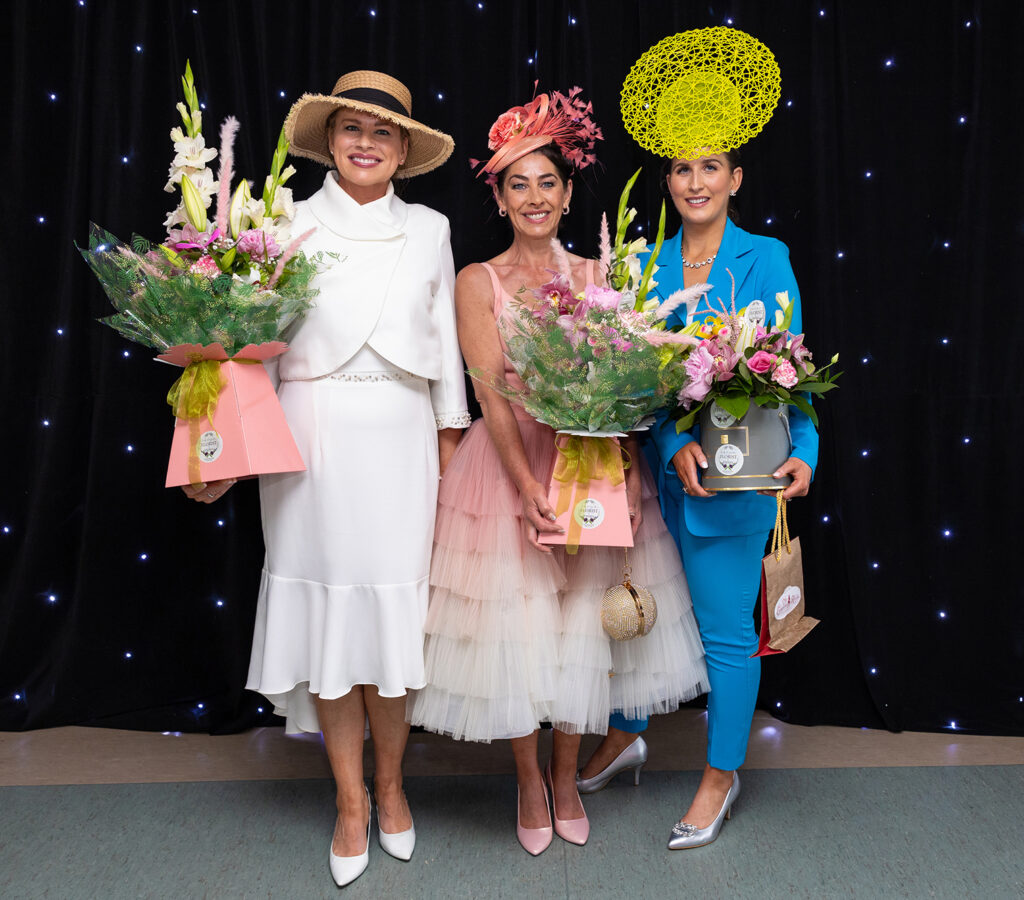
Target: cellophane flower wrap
595 361
738 361
235 279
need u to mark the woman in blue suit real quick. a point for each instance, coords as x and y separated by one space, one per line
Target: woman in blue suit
721 537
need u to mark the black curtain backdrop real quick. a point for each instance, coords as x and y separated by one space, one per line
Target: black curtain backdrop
890 169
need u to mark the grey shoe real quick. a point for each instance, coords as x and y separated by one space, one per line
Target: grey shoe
633 757
684 835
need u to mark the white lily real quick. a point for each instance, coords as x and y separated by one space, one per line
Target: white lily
782 298
236 212
195 209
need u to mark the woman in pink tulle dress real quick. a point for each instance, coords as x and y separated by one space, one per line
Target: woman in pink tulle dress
514 636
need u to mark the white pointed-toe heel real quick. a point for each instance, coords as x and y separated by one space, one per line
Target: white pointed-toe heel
400 844
346 869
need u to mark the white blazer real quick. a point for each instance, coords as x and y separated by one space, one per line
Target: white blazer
391 287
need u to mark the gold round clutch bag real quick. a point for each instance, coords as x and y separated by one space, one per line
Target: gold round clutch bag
628 610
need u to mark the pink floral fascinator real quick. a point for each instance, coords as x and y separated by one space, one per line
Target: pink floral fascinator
555 119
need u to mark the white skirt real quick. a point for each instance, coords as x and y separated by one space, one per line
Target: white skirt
343 596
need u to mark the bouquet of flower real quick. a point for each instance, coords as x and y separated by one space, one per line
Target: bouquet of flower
737 361
596 361
215 297
236 280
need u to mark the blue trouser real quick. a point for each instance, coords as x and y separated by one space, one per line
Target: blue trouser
724 575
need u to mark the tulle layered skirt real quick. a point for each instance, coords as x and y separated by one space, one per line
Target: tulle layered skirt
513 635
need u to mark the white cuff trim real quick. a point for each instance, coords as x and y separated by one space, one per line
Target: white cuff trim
453 420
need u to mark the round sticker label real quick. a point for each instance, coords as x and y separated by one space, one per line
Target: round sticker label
755 312
787 602
209 446
588 513
728 459
720 418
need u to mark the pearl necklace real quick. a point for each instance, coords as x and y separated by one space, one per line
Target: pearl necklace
700 265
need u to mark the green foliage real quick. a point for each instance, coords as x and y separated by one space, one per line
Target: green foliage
160 304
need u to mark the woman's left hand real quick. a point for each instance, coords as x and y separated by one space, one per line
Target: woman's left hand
447 441
634 496
801 473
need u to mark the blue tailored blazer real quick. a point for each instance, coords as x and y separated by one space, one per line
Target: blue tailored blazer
761 268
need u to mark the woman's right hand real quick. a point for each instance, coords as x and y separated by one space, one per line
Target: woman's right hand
207 493
538 516
686 461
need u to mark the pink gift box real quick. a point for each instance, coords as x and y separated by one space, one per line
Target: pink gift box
598 513
249 435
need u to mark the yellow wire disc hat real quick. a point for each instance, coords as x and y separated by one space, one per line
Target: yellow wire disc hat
700 92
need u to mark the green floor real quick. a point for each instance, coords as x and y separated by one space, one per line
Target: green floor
901 832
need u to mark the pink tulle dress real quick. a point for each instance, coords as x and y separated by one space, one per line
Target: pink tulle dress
514 636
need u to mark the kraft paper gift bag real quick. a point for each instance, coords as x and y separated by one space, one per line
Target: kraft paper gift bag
783 623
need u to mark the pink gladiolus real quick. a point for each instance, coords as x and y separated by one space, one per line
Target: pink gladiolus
785 374
761 362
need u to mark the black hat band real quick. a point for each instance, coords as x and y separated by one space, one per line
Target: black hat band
378 98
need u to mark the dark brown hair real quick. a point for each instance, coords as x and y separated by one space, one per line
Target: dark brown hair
732 160
553 155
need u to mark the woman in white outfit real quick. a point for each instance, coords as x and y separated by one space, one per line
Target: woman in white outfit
373 391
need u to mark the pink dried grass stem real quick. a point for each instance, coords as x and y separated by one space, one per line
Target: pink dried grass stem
660 338
678 298
143 264
605 260
228 130
289 252
562 260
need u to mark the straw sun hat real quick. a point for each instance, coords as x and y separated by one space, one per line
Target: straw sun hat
379 95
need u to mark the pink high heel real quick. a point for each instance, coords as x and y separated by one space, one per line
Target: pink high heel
534 840
575 831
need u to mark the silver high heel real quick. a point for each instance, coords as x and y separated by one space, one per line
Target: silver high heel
633 757
685 836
